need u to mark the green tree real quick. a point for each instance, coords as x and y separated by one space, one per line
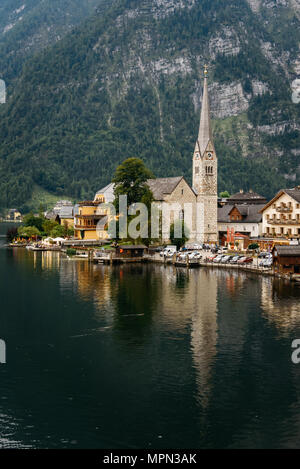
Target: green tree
29 231
224 195
130 179
48 226
57 232
179 226
31 220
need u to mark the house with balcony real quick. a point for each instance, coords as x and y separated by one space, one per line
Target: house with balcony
91 218
281 216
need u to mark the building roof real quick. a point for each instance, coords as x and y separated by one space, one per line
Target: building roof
244 197
294 193
159 187
110 186
132 246
162 186
288 250
250 213
66 212
51 215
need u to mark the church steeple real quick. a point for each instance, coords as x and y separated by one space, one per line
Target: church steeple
205 134
205 173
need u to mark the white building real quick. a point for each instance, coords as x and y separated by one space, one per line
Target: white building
281 216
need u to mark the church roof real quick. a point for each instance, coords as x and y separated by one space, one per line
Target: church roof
205 134
163 186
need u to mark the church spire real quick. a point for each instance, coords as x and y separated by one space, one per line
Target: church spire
205 125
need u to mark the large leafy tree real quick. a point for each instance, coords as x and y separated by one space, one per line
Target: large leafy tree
131 180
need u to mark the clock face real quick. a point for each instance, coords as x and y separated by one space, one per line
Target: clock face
210 156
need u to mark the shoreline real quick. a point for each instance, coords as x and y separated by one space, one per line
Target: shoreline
170 262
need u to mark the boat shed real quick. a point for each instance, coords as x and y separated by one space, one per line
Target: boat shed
287 259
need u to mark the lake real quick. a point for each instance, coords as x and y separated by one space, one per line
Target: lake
145 356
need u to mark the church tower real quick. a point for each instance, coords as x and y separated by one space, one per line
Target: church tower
205 175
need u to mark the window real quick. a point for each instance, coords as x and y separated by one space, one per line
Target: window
197 170
181 191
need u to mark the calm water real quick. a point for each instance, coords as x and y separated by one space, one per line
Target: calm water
145 356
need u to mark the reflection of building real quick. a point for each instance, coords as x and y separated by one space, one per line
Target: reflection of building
204 333
279 304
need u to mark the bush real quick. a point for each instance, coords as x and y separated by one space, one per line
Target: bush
253 246
71 252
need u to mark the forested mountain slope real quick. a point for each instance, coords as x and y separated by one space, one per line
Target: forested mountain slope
127 82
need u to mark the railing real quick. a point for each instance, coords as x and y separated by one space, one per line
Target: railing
85 227
284 209
283 222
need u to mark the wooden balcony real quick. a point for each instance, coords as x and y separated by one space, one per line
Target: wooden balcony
284 209
273 221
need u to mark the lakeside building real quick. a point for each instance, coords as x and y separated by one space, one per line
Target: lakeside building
286 259
14 215
281 216
65 216
240 219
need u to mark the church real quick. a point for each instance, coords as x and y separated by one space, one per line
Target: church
202 196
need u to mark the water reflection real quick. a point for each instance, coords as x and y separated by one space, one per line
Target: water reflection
280 304
146 355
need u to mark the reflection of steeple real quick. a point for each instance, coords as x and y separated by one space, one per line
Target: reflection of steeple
205 134
204 333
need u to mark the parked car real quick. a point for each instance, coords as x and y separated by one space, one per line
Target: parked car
228 259
245 260
268 263
198 255
235 259
217 259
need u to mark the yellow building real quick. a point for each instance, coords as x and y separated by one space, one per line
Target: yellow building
65 216
91 221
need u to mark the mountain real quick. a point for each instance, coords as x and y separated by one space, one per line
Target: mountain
27 26
127 82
